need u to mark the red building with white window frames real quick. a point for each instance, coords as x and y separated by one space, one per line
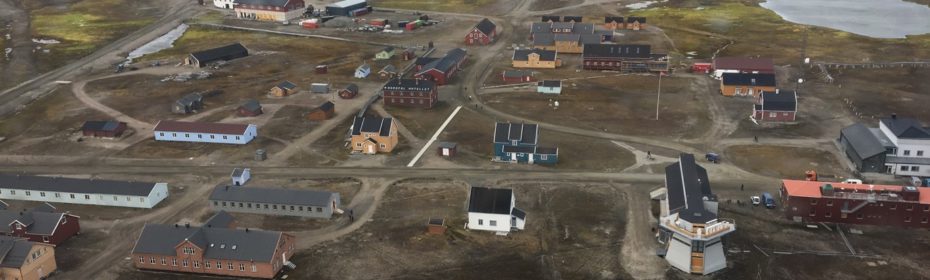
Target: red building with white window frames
410 93
830 202
482 34
443 69
40 224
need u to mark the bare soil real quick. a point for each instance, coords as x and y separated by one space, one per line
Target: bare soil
784 162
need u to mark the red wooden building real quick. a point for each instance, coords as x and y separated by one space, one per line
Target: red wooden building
483 33
517 76
441 70
349 92
108 129
40 224
410 93
813 202
776 106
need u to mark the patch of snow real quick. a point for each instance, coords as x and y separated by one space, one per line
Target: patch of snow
46 41
643 5
7 52
160 43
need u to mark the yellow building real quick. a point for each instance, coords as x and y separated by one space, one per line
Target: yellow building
565 43
536 58
25 260
373 135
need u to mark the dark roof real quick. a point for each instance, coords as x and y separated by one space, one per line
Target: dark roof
352 88
517 73
37 221
687 187
388 49
449 145
218 243
745 64
522 133
619 51
328 106
519 213
389 69
232 50
14 251
572 18
424 60
543 39
220 219
491 201
561 25
372 125
780 100
272 195
907 160
287 85
550 83
748 79
237 172
410 85
486 26
71 185
519 149
863 142
201 127
634 19
251 105
544 55
445 64
275 3
609 19
101 125
547 150
540 27
552 18
907 128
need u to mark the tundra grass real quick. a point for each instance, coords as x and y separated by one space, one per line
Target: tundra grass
434 5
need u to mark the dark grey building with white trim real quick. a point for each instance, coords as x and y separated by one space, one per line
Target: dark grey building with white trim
275 201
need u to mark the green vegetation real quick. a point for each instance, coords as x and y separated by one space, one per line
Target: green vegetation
758 31
434 5
85 26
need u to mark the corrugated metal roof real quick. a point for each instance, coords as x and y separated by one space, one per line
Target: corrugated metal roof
72 185
272 195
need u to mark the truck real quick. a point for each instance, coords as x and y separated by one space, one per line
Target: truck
768 200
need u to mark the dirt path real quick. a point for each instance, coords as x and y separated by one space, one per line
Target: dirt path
639 244
22 63
363 205
410 137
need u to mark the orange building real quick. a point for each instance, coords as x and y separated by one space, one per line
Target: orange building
372 135
739 84
536 58
25 260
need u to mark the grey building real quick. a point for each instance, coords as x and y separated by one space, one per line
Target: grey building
865 147
275 201
188 104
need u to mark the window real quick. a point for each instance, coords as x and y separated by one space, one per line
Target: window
275 207
12 192
300 208
224 203
255 269
383 146
907 152
174 262
813 213
219 265
115 198
241 267
42 194
543 157
772 115
926 208
207 264
224 137
28 193
174 135
915 168
359 144
142 199
216 203
910 208
128 198
920 153
829 202
237 137
86 196
240 205
229 265
199 135
187 135
141 259
292 207
164 261
196 264
72 196
828 214
188 250
152 260
161 134
480 222
211 137
893 206
907 219
493 223
184 263
319 209
860 216
266 206
249 205
904 168
813 202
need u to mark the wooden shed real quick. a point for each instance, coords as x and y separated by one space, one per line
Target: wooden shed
321 69
324 112
349 92
447 149
436 226
106 129
283 89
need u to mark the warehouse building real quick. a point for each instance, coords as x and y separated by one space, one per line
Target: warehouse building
82 191
348 8
275 201
200 132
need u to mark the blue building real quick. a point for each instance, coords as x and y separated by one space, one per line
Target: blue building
519 143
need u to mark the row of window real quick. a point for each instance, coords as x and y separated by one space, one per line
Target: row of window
492 223
913 168
403 101
199 136
908 152
404 93
266 206
891 206
196 264
73 196
813 213
541 156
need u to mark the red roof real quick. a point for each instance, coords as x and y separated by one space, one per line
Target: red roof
812 188
745 64
201 127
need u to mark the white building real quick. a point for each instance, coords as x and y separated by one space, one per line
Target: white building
223 133
909 151
363 71
224 4
690 230
269 10
240 176
82 191
494 210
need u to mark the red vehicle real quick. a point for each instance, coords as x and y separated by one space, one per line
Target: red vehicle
701 67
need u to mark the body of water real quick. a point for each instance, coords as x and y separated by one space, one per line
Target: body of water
872 18
161 43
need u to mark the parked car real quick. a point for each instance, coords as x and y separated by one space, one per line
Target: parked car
768 200
756 200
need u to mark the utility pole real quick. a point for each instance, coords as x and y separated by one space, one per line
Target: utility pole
658 95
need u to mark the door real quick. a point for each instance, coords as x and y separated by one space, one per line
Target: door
371 149
513 157
529 158
749 92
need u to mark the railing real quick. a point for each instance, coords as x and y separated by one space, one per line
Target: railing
720 227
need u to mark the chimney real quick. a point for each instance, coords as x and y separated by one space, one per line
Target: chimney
894 116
